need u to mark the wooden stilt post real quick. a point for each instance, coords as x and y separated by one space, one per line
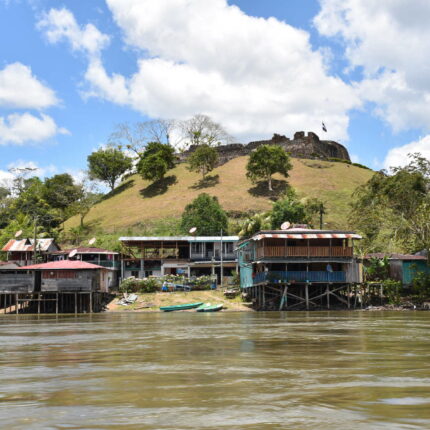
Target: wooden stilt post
284 296
264 297
38 303
349 294
56 303
16 303
328 295
76 303
307 295
91 303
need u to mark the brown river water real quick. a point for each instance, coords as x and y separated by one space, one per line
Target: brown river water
296 370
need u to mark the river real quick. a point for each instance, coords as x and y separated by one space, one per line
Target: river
296 370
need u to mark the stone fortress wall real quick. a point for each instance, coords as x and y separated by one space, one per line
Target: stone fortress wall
301 146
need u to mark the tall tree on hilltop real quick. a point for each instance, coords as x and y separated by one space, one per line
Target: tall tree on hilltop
156 160
202 130
267 160
108 165
203 159
135 137
206 214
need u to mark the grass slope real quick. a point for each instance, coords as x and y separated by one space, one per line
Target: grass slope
137 201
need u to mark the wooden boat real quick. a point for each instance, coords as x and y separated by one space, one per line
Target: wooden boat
207 307
183 307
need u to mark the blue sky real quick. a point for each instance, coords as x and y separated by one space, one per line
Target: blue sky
71 71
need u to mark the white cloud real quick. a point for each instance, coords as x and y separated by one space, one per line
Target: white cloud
399 156
255 76
60 24
389 40
19 88
19 129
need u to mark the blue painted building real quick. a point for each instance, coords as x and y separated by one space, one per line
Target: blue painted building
304 260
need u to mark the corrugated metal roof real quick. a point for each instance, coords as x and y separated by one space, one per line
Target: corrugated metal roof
25 245
63 265
179 239
308 234
83 250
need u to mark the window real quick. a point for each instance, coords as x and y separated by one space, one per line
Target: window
197 248
135 273
228 248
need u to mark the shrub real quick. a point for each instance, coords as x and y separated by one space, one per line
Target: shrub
421 287
133 285
393 291
361 165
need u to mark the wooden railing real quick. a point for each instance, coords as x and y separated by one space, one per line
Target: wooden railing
276 277
303 251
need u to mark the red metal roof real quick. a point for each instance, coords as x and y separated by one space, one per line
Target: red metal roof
63 265
26 245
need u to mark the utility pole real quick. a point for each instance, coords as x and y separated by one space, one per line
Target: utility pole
35 241
221 265
321 216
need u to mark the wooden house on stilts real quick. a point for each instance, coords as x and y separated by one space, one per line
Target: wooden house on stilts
299 268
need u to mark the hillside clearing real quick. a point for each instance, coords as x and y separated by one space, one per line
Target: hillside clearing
137 201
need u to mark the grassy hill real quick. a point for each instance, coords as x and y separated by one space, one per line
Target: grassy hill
136 202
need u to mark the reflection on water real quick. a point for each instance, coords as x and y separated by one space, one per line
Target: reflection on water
189 370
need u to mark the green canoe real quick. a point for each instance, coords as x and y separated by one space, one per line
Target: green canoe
207 307
183 307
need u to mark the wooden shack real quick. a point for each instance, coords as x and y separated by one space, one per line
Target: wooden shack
57 286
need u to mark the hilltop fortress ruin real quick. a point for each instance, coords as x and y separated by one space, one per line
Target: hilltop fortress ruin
301 146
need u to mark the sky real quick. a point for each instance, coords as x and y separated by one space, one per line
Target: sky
71 71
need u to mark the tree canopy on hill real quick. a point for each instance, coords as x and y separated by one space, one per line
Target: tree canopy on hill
108 165
393 210
156 160
206 215
203 159
267 160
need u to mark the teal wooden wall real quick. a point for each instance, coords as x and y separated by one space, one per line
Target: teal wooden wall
410 268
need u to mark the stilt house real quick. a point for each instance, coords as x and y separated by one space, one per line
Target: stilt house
298 267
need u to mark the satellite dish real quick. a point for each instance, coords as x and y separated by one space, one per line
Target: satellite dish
73 253
193 230
18 233
92 241
285 226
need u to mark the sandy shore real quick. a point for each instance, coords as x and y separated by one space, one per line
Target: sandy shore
151 302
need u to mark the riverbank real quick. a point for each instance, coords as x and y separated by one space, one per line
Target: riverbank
151 302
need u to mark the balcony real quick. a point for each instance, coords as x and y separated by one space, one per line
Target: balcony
278 277
303 251
109 264
207 256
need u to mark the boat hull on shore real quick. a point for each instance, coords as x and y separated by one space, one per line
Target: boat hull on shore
182 307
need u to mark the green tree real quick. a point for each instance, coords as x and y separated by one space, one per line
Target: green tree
315 207
288 208
203 159
60 191
206 214
255 223
108 165
392 211
156 160
267 160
